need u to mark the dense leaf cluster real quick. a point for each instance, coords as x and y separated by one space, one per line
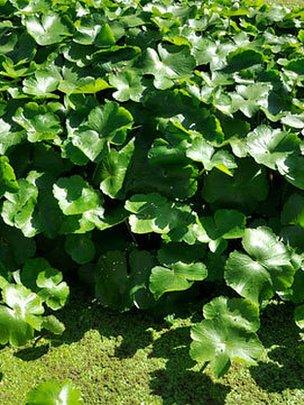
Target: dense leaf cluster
150 147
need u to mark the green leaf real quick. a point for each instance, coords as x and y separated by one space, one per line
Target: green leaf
244 190
116 287
8 182
48 29
5 275
83 85
53 290
116 57
111 122
263 245
43 83
151 213
112 169
75 196
236 311
226 224
80 248
54 393
168 152
267 145
301 35
178 277
165 125
88 142
164 280
293 211
41 277
111 283
32 6
250 99
9 138
52 324
226 335
154 213
49 215
249 278
128 84
294 120
103 220
295 293
291 168
201 151
20 247
171 253
243 58
181 265
208 51
48 160
197 122
13 329
106 36
78 224
40 123
299 316
293 236
296 65
161 171
166 65
266 269
86 31
21 315
19 208
12 70
141 263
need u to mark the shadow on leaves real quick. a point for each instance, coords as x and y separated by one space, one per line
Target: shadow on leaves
280 336
32 353
178 383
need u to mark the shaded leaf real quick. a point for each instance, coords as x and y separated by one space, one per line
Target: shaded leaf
112 169
226 335
80 248
75 196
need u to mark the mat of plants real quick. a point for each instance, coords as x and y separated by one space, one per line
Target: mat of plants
152 155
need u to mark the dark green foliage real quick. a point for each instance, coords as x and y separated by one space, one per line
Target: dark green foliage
160 147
